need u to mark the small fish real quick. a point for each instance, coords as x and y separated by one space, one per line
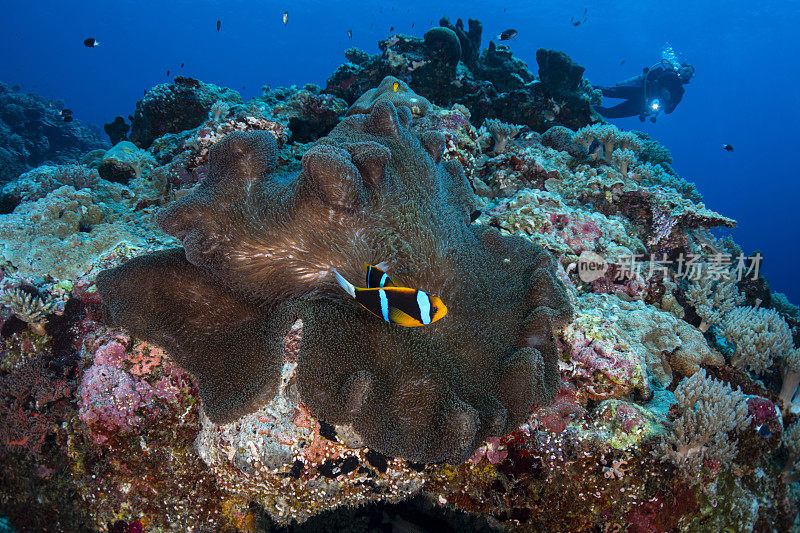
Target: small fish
763 431
91 42
391 28
68 118
622 62
395 87
66 112
505 9
412 24
168 73
549 115
475 215
398 305
350 34
574 22
727 147
181 65
219 24
595 149
508 34
285 17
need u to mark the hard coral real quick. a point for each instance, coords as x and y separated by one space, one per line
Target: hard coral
710 412
501 132
174 107
758 336
258 254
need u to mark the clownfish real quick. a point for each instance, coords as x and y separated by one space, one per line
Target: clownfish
398 305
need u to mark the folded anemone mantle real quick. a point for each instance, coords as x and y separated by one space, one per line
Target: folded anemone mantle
258 252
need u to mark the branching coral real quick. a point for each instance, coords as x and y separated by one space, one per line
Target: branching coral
711 411
758 336
623 160
791 380
713 295
501 133
258 254
219 110
610 137
28 307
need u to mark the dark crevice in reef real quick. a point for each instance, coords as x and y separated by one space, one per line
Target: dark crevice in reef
61 328
419 513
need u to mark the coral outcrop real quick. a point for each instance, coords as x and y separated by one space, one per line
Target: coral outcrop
366 194
64 233
32 132
447 66
174 107
249 391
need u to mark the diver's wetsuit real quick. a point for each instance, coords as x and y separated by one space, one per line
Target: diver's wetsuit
662 84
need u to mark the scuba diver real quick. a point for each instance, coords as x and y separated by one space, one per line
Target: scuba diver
658 88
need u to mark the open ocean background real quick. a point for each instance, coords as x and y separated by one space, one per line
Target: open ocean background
745 89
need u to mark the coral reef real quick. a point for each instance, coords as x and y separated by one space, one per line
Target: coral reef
758 337
710 412
173 107
43 180
32 133
447 66
117 130
713 294
64 233
250 393
124 162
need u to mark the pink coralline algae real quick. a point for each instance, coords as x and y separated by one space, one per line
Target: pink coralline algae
621 281
591 359
109 398
494 450
556 416
600 364
115 397
580 233
764 412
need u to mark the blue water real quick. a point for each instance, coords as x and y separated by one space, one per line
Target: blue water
745 90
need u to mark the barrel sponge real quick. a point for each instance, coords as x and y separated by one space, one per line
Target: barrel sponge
259 253
404 96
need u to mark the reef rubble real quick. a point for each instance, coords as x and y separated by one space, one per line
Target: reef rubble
169 361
